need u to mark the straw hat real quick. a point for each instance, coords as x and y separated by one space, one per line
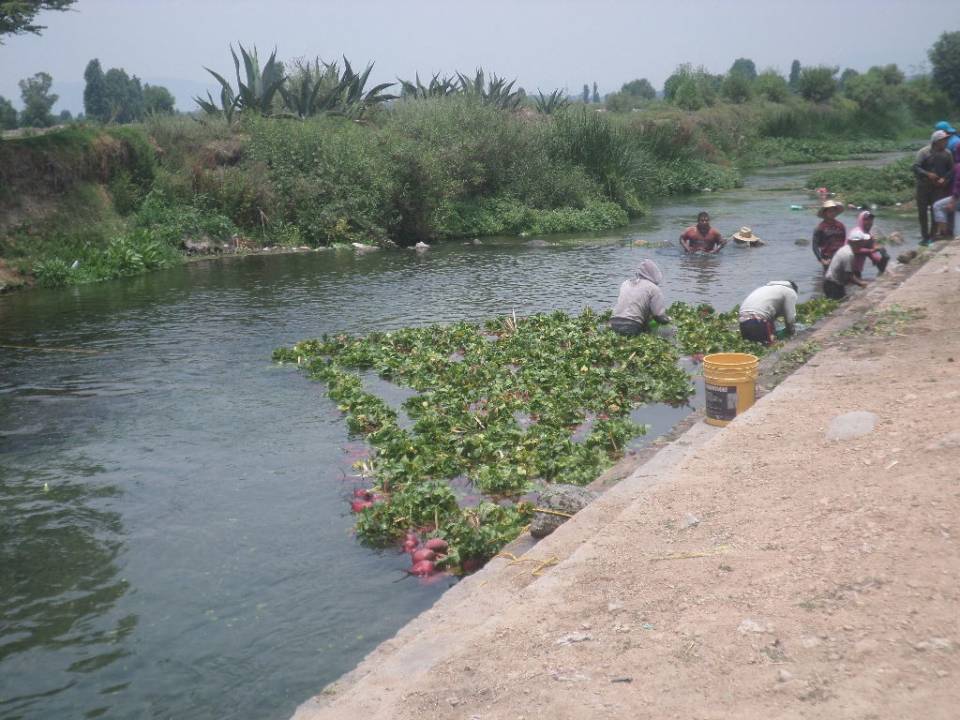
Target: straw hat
747 237
829 204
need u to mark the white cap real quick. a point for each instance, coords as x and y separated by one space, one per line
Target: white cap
939 135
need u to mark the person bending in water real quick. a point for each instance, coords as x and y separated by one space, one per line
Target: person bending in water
701 237
841 272
778 298
878 255
640 300
830 234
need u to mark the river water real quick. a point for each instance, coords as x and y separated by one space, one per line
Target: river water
174 533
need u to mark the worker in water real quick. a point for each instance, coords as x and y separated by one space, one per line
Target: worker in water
640 301
842 269
761 308
701 237
830 235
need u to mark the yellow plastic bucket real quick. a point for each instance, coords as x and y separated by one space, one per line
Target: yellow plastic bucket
730 385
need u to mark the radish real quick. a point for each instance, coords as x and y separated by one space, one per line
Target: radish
409 546
424 554
360 505
423 568
438 545
363 494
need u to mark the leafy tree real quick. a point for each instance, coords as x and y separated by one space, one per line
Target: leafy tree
891 74
818 83
846 76
736 88
689 95
157 100
8 114
927 101
16 16
745 68
65 116
945 60
640 88
771 85
596 94
704 91
124 96
586 93
37 101
95 103
794 81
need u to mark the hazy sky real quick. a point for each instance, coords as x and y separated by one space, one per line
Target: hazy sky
545 44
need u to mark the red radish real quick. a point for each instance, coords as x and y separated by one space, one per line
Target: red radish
424 554
360 505
423 568
413 536
363 494
436 544
409 546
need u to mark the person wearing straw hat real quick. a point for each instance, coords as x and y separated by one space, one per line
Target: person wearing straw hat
746 237
830 235
933 169
841 271
761 308
640 301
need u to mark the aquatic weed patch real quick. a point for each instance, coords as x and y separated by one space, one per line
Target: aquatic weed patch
507 404
502 407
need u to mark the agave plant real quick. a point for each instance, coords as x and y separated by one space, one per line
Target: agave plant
438 87
549 104
354 99
226 108
497 91
256 94
314 88
322 87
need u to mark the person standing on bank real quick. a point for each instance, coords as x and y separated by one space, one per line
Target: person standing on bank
758 313
842 270
830 235
701 237
933 169
640 301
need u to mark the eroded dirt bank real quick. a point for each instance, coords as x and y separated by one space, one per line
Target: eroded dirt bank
763 570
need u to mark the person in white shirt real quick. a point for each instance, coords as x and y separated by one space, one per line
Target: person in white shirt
761 308
842 269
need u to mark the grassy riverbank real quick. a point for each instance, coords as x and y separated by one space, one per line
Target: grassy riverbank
87 204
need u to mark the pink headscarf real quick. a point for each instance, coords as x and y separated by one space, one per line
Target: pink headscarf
861 217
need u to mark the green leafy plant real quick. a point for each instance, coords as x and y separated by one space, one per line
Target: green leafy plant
255 90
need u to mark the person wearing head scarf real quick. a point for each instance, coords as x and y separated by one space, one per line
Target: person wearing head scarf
878 256
830 235
761 308
640 301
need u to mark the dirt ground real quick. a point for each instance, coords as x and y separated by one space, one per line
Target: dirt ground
762 570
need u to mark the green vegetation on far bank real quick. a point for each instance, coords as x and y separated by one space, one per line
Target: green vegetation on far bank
501 409
85 204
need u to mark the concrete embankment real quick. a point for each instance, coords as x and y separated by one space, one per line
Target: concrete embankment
800 563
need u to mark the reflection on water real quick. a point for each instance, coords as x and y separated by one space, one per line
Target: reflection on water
59 586
174 532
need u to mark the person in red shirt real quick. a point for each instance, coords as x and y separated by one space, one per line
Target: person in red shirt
830 234
701 237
